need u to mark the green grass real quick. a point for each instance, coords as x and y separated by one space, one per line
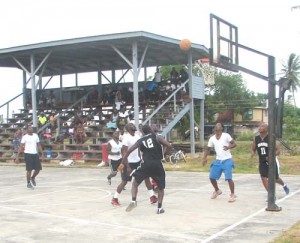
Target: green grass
292 235
289 160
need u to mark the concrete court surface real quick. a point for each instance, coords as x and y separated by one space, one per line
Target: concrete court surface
73 205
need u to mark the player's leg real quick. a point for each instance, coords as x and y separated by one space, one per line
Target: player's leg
214 175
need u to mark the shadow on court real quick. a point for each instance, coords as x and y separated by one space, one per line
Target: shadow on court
73 205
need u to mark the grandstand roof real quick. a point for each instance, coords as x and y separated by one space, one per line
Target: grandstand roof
103 52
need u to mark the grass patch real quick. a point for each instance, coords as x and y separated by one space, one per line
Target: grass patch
292 235
289 161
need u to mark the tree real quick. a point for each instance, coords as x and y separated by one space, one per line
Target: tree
291 71
230 93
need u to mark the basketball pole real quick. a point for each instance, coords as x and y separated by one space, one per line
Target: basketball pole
272 141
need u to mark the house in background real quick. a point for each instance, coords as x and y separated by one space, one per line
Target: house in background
250 120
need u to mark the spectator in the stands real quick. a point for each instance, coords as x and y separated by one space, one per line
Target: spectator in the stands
42 119
118 99
183 75
112 122
51 100
42 100
79 133
17 141
123 118
157 76
53 121
92 97
28 100
150 91
174 75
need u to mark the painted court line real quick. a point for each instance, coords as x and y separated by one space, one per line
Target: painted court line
108 193
91 222
212 237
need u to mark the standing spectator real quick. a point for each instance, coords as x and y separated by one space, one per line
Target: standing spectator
30 143
174 74
114 148
157 76
152 149
222 143
132 162
261 145
183 75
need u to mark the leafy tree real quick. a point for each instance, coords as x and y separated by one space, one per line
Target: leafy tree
291 70
291 121
230 93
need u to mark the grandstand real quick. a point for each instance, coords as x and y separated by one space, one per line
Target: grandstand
107 56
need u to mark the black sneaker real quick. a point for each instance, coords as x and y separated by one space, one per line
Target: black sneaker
109 181
160 210
33 181
29 186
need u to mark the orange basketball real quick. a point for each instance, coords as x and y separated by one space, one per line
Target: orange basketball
185 44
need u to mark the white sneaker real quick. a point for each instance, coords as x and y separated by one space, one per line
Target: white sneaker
102 164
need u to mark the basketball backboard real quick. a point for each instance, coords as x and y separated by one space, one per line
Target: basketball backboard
223 44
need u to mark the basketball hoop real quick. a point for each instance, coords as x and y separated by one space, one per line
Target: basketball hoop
208 72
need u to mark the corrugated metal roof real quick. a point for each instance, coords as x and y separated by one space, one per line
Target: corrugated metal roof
88 54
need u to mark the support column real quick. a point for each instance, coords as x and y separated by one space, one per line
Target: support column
135 84
201 128
192 115
33 93
272 150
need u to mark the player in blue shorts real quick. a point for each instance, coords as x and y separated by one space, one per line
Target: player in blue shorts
222 142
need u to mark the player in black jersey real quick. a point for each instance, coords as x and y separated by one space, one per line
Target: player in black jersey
152 148
261 144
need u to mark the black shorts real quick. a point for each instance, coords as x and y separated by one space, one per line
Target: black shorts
153 169
114 164
264 169
133 167
33 162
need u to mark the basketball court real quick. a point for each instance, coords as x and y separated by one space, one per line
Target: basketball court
73 205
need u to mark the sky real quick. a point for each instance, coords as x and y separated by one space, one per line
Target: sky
268 26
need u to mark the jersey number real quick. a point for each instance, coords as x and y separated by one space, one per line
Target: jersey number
148 143
263 151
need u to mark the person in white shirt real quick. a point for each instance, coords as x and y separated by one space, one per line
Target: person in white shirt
222 143
30 142
114 149
133 161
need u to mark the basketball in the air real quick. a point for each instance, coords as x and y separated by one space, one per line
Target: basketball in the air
185 44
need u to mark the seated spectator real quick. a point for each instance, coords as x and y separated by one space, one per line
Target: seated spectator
51 100
17 141
92 97
65 130
118 99
112 123
42 119
42 100
122 118
79 133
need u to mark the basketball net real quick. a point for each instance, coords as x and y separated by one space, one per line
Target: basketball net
208 72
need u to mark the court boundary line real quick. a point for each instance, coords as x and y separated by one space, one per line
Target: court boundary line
230 227
85 221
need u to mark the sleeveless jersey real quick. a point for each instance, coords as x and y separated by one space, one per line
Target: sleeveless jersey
262 145
151 149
